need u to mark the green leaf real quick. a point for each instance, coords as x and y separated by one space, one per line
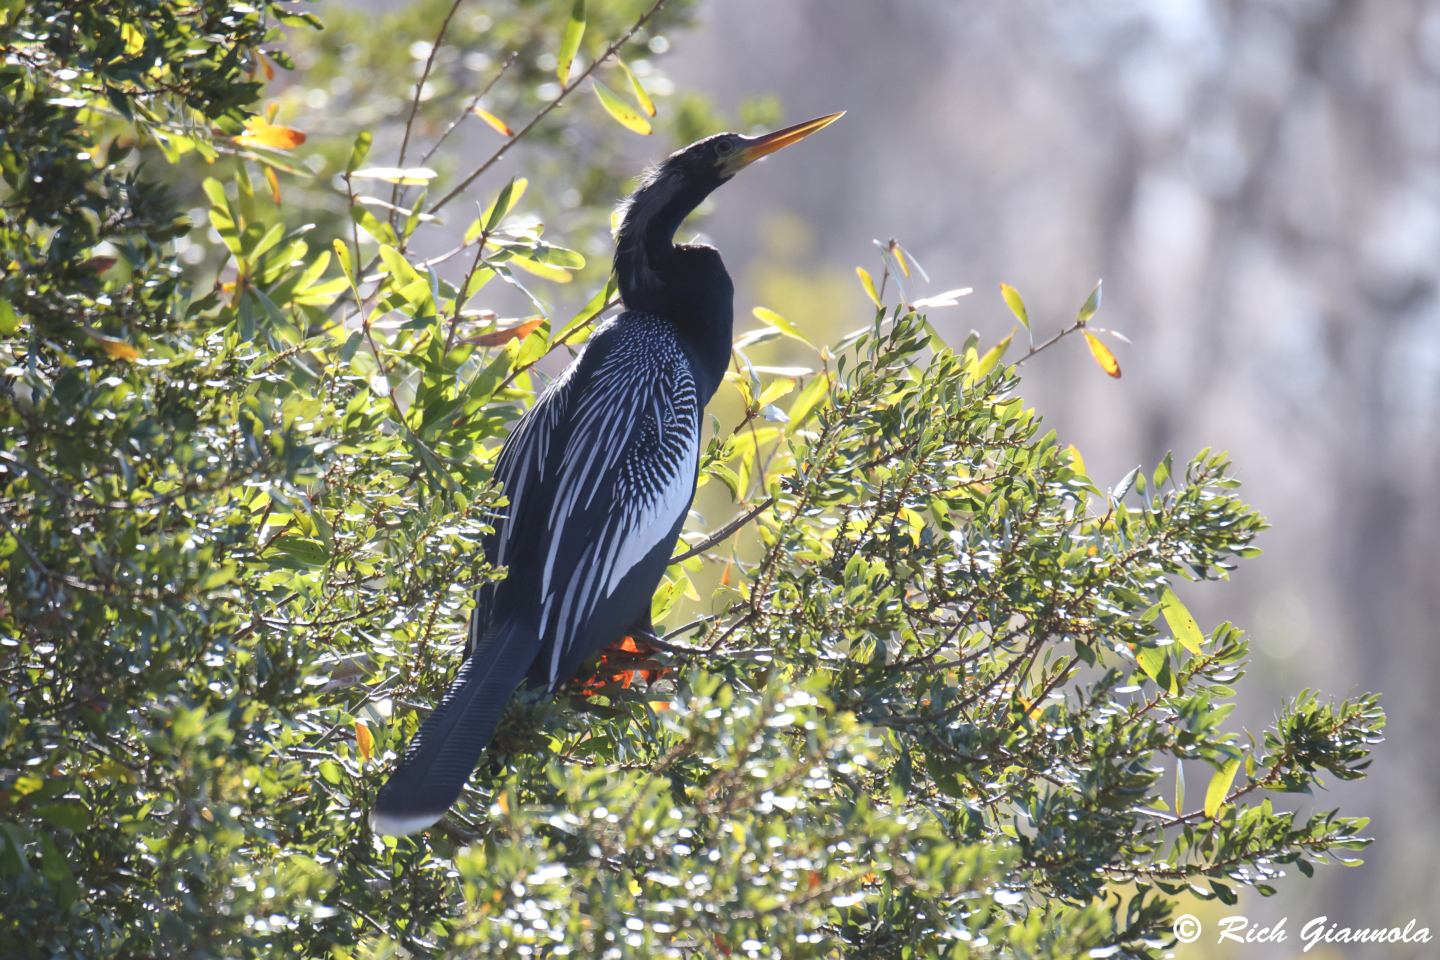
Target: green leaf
503 203
70 814
784 326
570 42
401 272
1182 624
311 553
368 222
9 319
1179 788
1092 303
1219 787
624 114
815 394
358 152
1016 305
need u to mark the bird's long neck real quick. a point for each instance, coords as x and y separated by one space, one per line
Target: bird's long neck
686 284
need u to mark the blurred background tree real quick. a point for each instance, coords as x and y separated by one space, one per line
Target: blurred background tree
244 479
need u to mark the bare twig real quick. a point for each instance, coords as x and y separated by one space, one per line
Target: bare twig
1077 325
725 531
415 103
473 104
545 111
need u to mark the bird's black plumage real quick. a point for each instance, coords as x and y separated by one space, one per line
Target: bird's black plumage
599 474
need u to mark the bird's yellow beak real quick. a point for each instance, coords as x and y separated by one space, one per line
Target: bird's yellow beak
765 145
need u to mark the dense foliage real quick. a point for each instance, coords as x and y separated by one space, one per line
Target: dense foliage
926 712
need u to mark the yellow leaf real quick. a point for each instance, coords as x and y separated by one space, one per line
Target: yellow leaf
1103 356
364 740
134 39
1077 462
900 259
869 285
500 126
265 65
641 96
1016 305
118 349
780 323
993 355
624 114
261 133
570 42
778 388
274 182
1182 624
497 337
1219 787
547 270
271 111
816 392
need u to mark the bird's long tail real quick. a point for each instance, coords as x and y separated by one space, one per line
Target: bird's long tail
444 751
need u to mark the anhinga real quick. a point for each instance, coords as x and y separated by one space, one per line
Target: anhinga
599 474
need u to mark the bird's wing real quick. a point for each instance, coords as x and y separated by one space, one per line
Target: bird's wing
622 484
520 469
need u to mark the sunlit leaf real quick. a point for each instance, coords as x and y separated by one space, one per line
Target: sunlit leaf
364 740
624 114
780 323
497 337
118 349
500 126
401 175
570 41
641 97
1077 462
134 39
1179 787
358 152
869 285
261 133
1102 355
815 394
1219 787
1092 303
274 183
503 203
1182 624
1016 305
777 389
547 270
993 355
949 298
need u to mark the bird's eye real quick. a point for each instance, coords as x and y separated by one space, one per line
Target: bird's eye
724 147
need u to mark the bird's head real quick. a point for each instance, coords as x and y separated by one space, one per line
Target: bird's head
669 192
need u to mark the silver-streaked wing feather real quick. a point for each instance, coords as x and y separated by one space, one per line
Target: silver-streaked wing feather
625 479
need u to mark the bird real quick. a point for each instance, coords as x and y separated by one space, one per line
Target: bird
599 475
